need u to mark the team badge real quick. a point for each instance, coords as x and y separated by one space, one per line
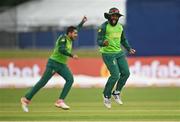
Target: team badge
62 40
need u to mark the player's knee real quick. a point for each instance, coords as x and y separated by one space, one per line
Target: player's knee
71 80
115 77
126 74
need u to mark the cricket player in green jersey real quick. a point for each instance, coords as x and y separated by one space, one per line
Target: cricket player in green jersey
110 38
57 63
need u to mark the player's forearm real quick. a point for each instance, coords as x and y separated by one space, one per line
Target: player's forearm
125 43
80 26
100 41
65 52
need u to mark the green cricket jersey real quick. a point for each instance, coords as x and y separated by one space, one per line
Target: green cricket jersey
114 35
63 48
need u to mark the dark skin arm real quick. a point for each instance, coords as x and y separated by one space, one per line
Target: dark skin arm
125 43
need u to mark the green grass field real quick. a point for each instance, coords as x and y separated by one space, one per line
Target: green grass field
140 104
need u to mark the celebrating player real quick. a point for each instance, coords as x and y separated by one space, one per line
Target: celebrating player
57 63
110 38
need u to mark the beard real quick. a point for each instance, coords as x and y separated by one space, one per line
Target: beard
113 22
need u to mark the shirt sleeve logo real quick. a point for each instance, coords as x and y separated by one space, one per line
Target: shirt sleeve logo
62 40
99 30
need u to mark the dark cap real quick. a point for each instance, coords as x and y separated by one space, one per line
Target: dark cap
111 12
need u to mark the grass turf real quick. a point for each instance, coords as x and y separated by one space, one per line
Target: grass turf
140 104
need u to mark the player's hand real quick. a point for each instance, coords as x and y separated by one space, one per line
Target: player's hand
132 51
105 43
84 19
75 57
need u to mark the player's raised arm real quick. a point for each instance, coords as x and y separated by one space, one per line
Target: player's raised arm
84 19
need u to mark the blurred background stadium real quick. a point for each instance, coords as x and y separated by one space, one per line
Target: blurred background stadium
152 27
29 29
